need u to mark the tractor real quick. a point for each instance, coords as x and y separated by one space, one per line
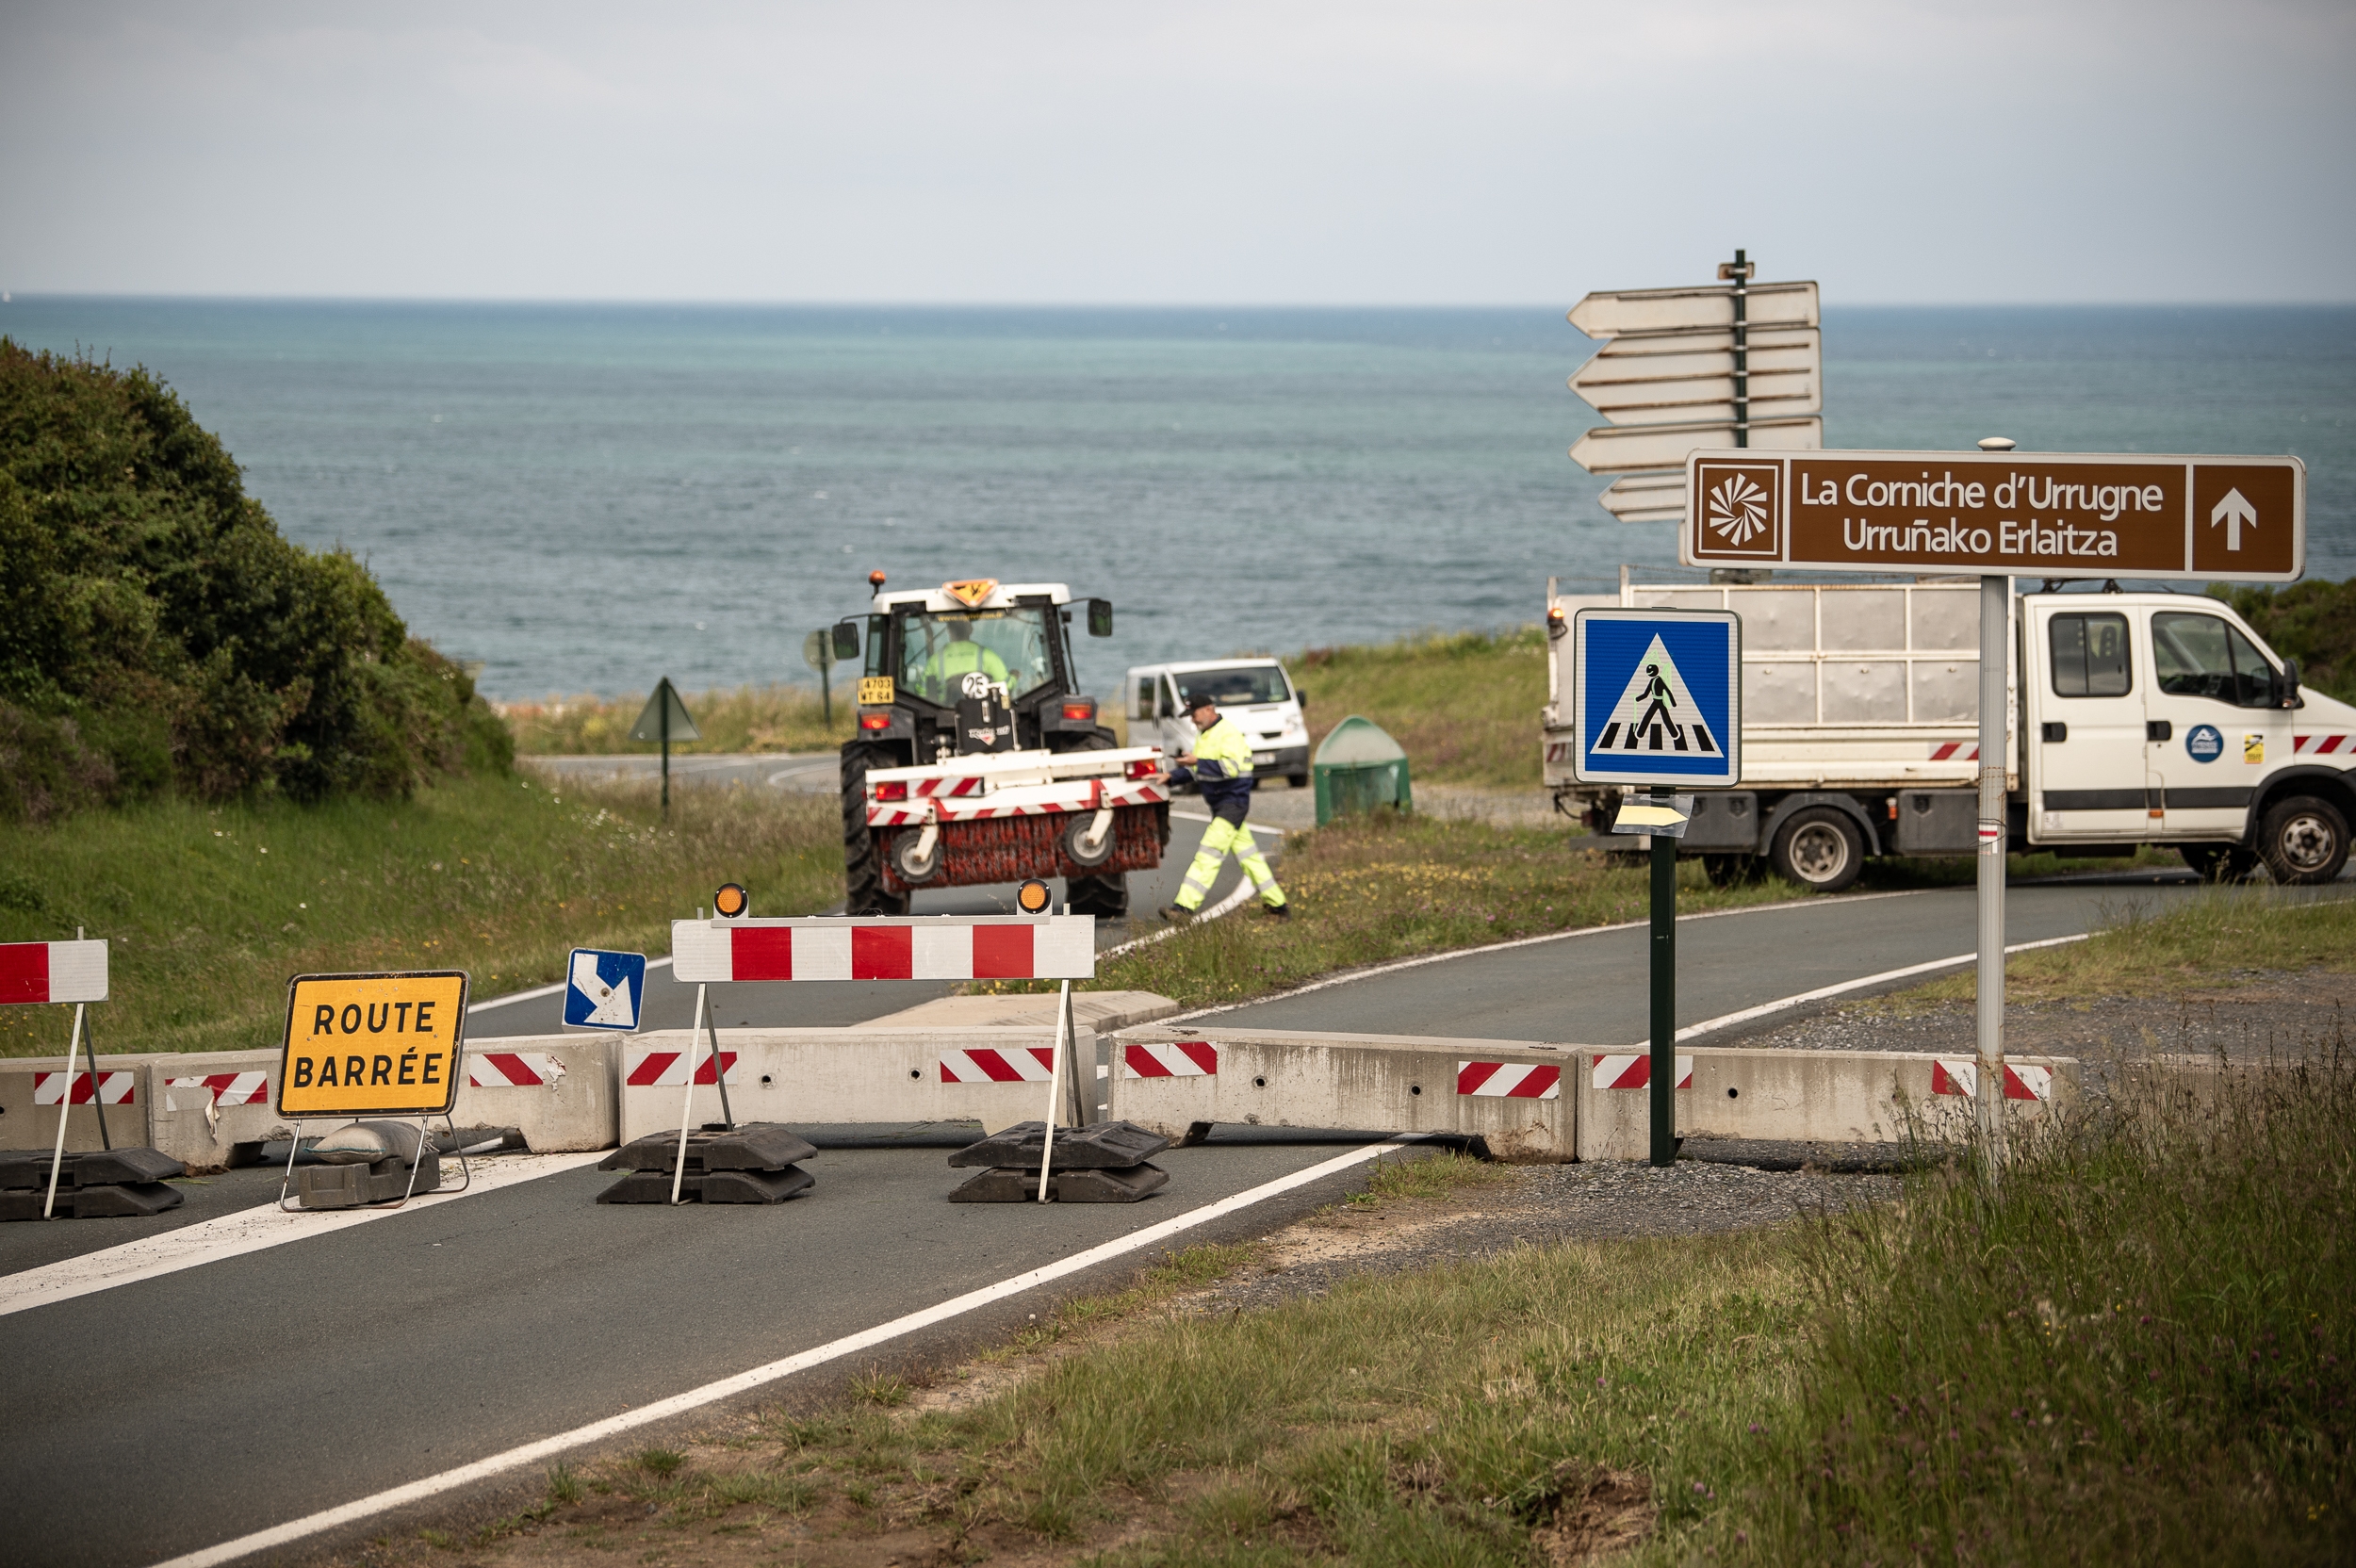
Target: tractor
976 757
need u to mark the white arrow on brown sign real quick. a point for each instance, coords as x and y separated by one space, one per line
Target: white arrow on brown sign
1647 498
1631 449
1765 305
1689 377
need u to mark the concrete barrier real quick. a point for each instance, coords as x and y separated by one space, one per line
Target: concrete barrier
1802 1096
563 1091
837 1076
1512 1094
201 1106
26 1125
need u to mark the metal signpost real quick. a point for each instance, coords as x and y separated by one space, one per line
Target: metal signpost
1996 512
818 653
1657 701
1736 364
665 719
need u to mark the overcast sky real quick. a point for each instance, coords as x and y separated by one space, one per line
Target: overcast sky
1354 152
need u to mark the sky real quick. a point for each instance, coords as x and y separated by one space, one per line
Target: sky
1282 151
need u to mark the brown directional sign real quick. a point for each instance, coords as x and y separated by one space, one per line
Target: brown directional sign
2028 515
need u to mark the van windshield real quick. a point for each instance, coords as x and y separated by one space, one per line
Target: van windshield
1236 687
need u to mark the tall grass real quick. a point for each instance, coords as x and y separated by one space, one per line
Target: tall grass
210 910
1464 704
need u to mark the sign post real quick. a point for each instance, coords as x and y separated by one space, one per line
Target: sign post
1658 702
665 719
818 653
1996 514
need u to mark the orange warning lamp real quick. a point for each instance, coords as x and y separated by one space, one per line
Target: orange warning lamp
1033 898
731 901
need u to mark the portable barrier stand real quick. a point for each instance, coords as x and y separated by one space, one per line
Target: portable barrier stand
1033 945
112 1181
372 1045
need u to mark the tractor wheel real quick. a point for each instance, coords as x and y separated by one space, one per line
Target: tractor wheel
862 876
1106 897
2304 840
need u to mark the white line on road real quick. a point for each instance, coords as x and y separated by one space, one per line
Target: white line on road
1726 1021
1819 902
253 1230
743 1382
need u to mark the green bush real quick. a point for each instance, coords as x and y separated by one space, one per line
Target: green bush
158 634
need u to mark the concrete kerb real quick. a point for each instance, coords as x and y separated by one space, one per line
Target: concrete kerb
1533 1101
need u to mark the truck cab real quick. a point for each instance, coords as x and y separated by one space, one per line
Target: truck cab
2145 718
1257 696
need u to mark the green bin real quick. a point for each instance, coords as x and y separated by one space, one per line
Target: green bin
1359 768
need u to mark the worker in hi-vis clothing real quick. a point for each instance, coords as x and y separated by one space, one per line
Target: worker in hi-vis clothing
1220 763
962 656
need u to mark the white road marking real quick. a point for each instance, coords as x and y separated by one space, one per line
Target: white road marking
1818 902
251 1230
743 1382
1725 1021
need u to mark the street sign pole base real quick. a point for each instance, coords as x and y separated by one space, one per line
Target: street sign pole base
1664 991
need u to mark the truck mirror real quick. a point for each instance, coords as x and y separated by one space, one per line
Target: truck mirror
2290 682
1100 617
845 641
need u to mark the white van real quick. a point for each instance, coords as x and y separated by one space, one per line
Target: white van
1254 695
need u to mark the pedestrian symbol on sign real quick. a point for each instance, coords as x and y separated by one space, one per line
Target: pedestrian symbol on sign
1657 715
603 990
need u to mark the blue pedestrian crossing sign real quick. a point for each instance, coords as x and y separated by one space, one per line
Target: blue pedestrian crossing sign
1656 697
603 990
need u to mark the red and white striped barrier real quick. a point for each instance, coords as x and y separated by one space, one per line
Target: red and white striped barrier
1956 751
922 947
116 1088
1030 1063
1173 1059
962 800
649 1069
1961 1075
1624 1070
515 1069
2322 745
1509 1081
53 971
226 1088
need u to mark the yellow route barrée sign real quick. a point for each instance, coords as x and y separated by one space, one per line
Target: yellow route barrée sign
373 1044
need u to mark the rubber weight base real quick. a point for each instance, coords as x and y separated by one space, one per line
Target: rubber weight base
127 1200
1122 1186
718 1186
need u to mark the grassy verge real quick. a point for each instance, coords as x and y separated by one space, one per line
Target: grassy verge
211 908
2137 1352
748 719
2224 938
1464 705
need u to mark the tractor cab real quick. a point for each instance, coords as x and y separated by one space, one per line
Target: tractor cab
973 666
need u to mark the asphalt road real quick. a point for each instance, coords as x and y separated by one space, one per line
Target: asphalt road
175 1411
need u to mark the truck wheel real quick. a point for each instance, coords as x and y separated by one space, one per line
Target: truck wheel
2219 862
863 877
1820 848
1106 897
2304 840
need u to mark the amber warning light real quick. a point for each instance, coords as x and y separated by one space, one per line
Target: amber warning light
1032 897
731 901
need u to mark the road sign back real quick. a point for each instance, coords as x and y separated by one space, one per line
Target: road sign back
1658 697
604 990
373 1044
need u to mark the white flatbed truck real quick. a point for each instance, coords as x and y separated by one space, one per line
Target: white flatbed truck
2145 718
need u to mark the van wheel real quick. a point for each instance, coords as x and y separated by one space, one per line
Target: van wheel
1296 780
2219 862
1820 849
2304 840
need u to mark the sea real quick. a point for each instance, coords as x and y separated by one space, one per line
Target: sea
580 499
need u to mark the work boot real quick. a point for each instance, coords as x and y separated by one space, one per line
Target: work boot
1177 914
1277 911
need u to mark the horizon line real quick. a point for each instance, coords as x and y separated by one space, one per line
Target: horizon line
673 303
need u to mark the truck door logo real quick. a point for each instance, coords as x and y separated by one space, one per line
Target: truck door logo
2203 743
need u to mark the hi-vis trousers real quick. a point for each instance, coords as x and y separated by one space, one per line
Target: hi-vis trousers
1217 840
